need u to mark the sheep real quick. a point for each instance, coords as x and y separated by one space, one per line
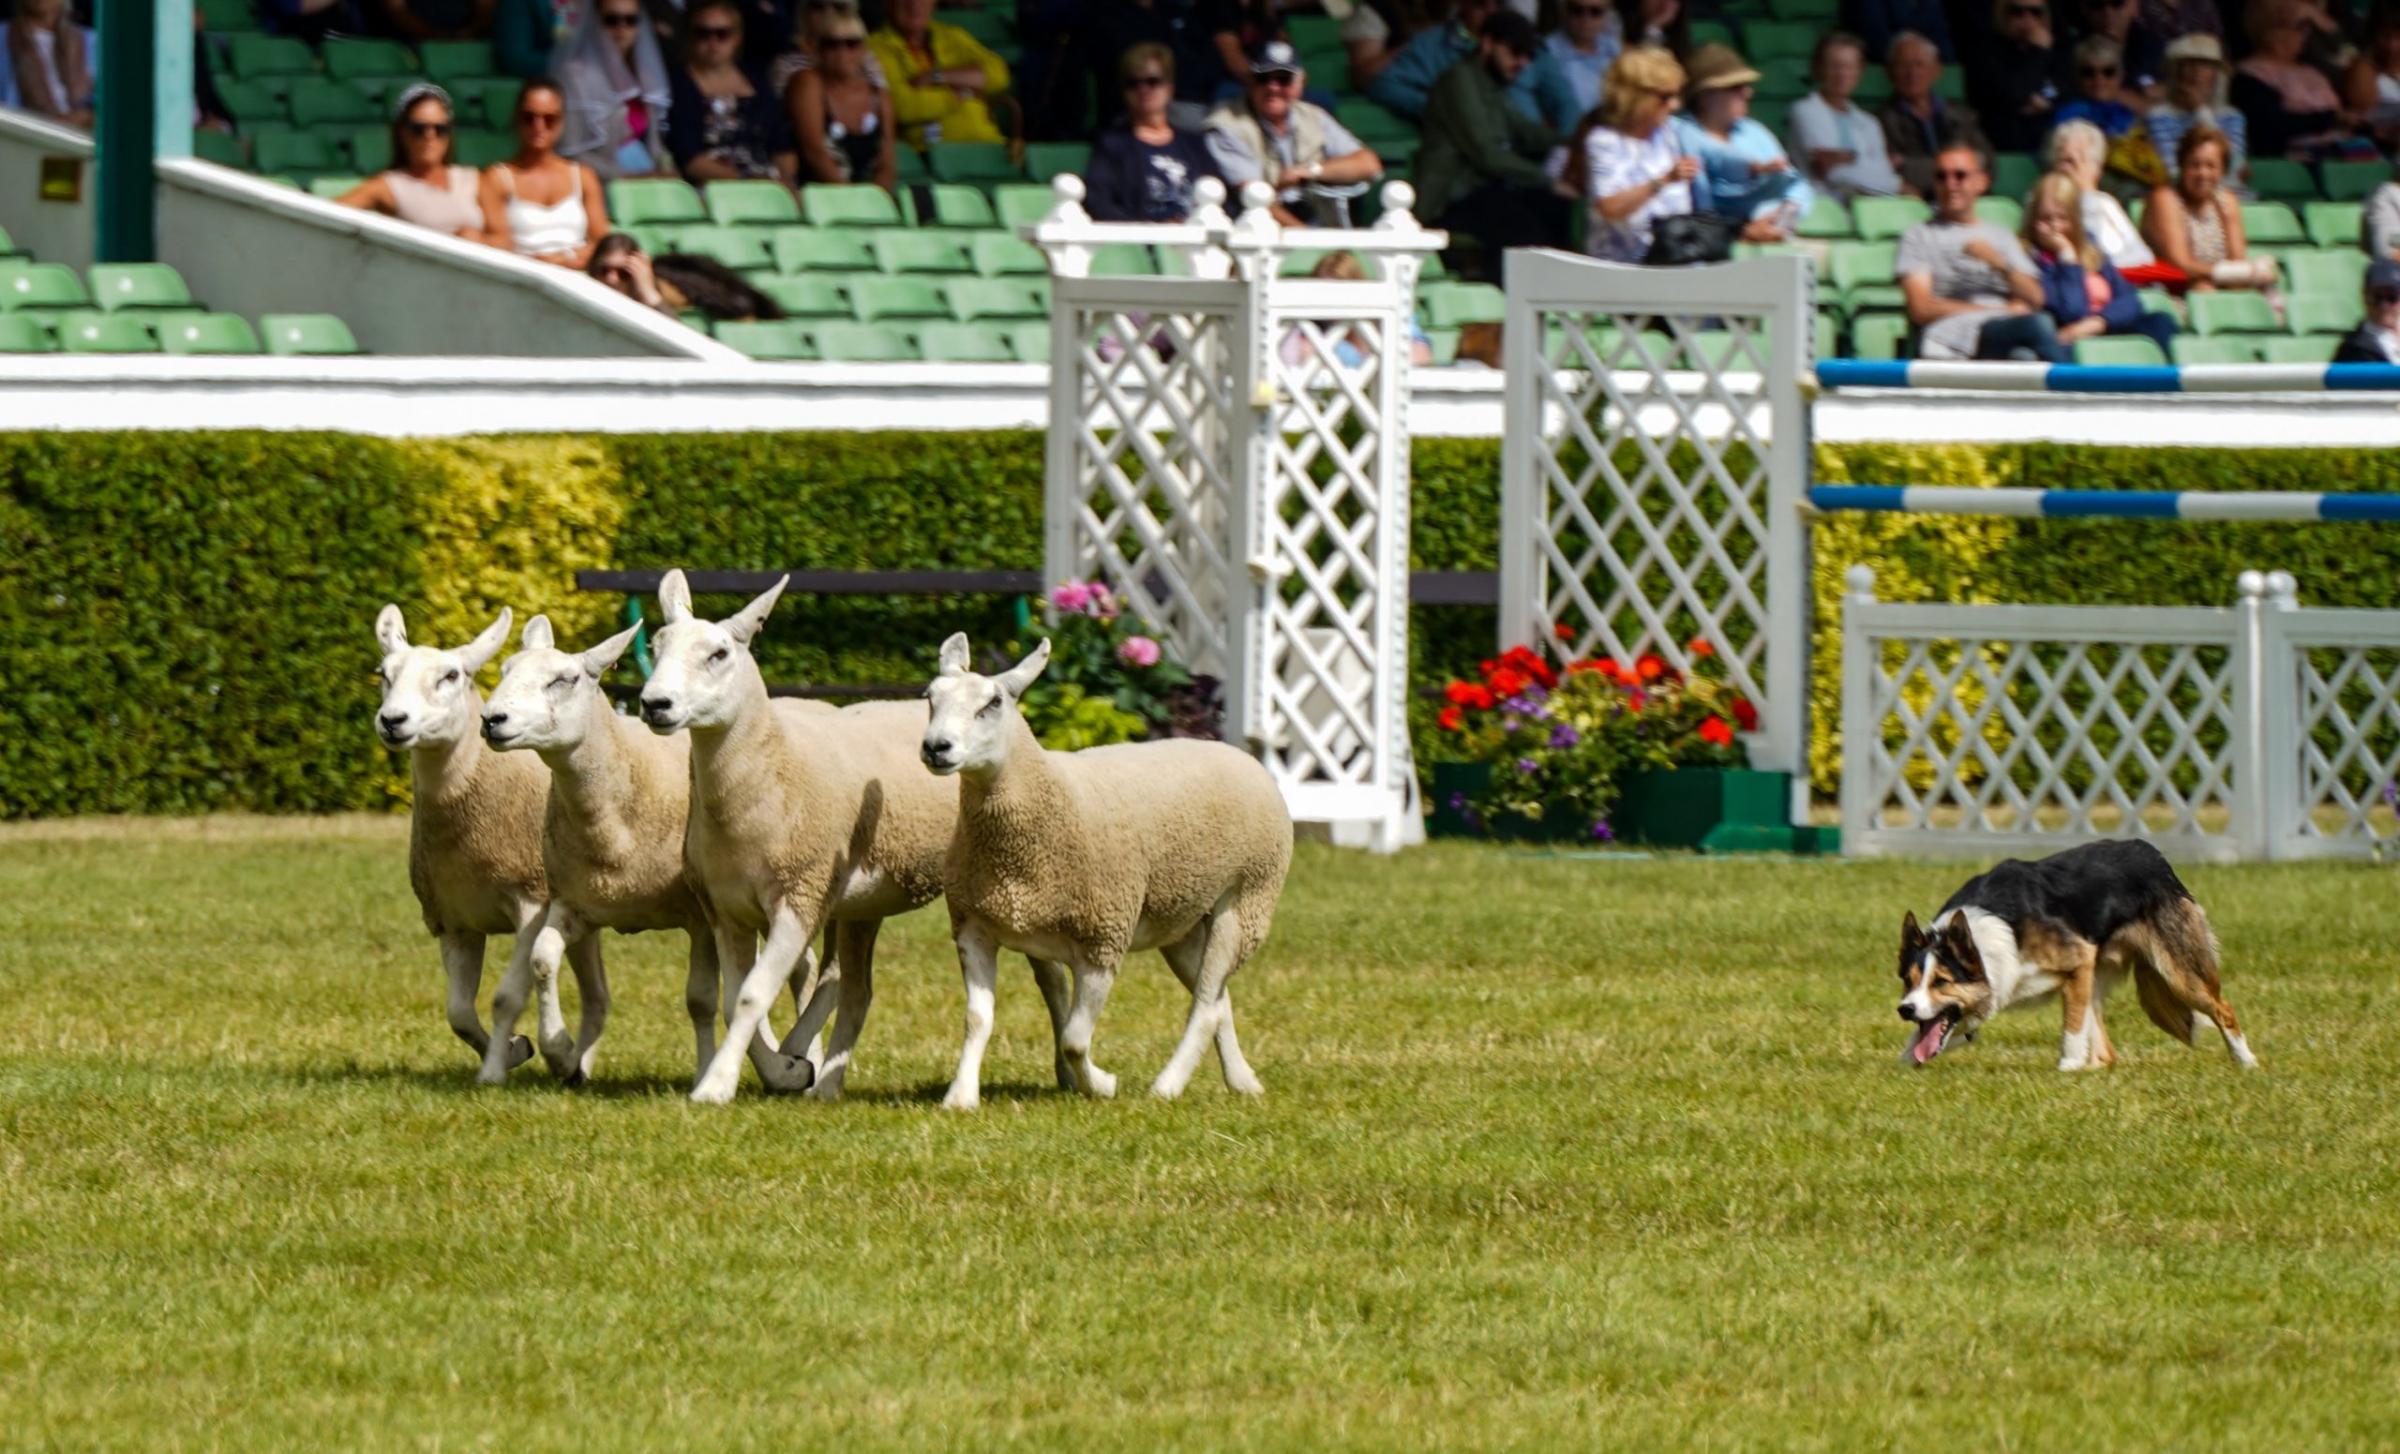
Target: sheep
612 836
1082 857
799 818
475 826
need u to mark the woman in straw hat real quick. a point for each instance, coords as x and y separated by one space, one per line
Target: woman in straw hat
2196 77
1745 176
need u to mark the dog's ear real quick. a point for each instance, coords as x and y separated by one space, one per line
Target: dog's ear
1912 947
1958 948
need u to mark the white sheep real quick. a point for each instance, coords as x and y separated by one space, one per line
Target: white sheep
800 817
612 837
1083 857
475 826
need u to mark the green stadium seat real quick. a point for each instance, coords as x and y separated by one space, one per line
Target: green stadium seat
2125 350
656 241
908 166
2007 212
8 246
863 343
1881 218
1444 343
2214 313
456 60
228 17
1822 11
899 250
986 26
860 204
951 204
1714 32
1453 305
2353 181
965 343
482 148
750 204
874 297
1372 123
2335 224
1879 336
776 339
1875 86
633 201
355 58
823 250
2193 349
2323 313
2328 272
2268 223
1030 341
24 333
974 161
1827 217
997 254
1769 40
1823 337
205 333
697 321
219 147
295 153
117 286
493 107
40 288
807 297
94 332
1021 204
744 249
2013 172
369 147
250 102
306 334
1123 260
1854 265
977 298
1047 159
1313 32
2280 179
2159 300
252 56
2317 348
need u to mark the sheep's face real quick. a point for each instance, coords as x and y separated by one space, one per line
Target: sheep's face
972 718
701 672
547 698
429 694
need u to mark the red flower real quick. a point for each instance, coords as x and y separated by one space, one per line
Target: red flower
1649 667
1745 714
1508 681
1480 698
1458 692
1452 720
1591 666
1609 670
1715 733
1699 649
1563 631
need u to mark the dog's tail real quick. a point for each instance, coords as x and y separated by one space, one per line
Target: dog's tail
2166 1012
2182 967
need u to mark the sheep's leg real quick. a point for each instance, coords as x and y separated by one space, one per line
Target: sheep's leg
550 1022
762 982
534 959
737 952
591 989
979 964
1202 959
1239 1077
1051 977
1092 984
822 977
857 981
462 960
700 997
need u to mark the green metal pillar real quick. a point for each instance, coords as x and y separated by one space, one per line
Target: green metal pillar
145 115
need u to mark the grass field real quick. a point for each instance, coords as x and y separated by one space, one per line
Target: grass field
1555 1154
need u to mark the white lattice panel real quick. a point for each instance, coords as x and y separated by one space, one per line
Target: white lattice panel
2338 753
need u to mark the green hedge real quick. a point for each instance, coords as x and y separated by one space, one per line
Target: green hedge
185 618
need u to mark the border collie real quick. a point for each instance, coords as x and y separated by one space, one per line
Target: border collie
2072 924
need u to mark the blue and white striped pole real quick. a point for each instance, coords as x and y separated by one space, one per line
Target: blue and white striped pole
2038 378
2107 504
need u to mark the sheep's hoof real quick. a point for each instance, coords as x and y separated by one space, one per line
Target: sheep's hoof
1161 1089
706 1094
796 1076
1100 1083
558 1052
1066 1077
520 1050
576 1080
1245 1085
961 1100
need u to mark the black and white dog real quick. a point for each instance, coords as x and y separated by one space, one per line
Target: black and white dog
2072 924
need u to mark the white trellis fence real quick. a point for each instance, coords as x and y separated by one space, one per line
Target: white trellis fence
1228 448
1655 457
2257 731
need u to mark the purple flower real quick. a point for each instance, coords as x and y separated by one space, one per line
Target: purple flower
1601 832
1564 736
1138 651
2391 796
1528 766
1458 802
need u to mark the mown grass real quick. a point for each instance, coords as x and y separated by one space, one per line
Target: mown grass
1556 1153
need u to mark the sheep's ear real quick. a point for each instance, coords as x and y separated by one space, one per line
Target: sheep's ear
483 648
674 597
391 633
954 654
598 659
744 624
1017 678
538 635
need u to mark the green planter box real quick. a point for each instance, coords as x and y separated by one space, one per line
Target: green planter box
1713 809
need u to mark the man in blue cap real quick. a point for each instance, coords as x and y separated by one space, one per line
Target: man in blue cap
1271 135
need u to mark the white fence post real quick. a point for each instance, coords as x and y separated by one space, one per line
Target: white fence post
1862 713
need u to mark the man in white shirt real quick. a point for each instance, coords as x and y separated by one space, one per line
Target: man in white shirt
1839 143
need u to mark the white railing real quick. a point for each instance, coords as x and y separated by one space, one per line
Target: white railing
2256 731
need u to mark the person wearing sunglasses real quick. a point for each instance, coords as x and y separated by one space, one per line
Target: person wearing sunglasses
1972 291
2141 51
1918 125
2099 91
944 80
1588 40
422 186
538 204
1745 175
615 78
2377 340
1143 169
842 120
1540 93
2013 76
722 122
1840 144
1296 146
2293 109
1481 171
1624 162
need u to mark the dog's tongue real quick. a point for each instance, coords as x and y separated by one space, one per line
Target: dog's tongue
1929 1040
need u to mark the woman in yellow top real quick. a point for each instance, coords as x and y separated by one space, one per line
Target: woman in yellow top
941 77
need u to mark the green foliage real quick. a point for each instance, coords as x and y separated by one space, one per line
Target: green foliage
1067 719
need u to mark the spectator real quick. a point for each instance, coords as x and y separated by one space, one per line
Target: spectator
2196 73
618 94
1841 147
2082 290
422 186
2292 108
1582 48
674 282
814 17
524 34
1880 22
2371 89
2139 48
943 80
1626 164
2195 226
1351 343
2014 82
540 205
1541 93
418 21
1375 31
1972 292
1144 169
1744 175
722 122
50 58
311 20
2379 228
1481 169
1191 29
1272 135
2377 340
2078 150
1661 23
1918 125
2099 88
2182 17
841 120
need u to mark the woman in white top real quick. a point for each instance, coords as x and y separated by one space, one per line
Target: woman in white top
421 186
2080 150
1839 144
1626 165
539 204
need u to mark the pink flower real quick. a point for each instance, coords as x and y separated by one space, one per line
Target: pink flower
1071 596
1100 603
1138 651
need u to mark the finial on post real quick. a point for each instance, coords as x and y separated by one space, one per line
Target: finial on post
1399 204
1861 580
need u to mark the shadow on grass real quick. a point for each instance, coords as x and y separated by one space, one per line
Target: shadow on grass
636 1086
